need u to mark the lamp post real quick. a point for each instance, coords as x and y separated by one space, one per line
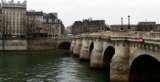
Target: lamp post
121 23
129 27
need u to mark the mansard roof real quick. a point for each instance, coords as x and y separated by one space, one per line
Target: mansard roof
34 13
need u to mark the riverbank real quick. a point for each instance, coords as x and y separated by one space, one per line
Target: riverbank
23 44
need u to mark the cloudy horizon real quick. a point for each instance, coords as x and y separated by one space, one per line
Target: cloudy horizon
109 10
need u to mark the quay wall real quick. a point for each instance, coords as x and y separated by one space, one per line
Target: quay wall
42 44
35 44
13 44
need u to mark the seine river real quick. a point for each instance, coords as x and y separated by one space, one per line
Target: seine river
47 66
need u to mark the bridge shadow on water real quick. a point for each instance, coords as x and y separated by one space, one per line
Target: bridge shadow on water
108 55
64 45
91 48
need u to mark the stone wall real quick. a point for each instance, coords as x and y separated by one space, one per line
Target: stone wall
35 44
42 44
13 45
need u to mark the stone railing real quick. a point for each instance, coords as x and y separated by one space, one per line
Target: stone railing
148 37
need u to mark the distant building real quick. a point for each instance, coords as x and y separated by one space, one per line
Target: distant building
52 30
88 26
50 18
14 18
94 25
157 29
34 21
52 25
141 26
16 21
146 26
68 30
44 24
123 28
77 27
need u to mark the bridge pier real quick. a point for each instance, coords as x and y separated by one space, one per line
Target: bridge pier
84 53
96 60
77 47
120 63
72 45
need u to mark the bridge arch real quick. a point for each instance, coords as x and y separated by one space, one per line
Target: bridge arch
91 47
108 54
144 68
64 45
138 52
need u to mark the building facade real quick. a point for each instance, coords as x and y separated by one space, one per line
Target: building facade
76 28
17 22
52 26
14 18
146 26
34 22
88 26
157 29
141 26
123 28
44 24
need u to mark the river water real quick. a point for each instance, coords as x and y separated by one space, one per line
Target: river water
47 66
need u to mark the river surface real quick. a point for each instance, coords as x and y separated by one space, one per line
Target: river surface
47 66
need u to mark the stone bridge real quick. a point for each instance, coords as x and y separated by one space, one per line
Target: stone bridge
63 42
132 56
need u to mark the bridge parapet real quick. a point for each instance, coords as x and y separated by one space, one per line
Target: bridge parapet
132 34
148 37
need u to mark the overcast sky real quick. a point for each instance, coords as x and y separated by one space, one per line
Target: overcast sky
110 10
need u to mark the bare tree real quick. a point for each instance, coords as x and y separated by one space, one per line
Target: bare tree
30 26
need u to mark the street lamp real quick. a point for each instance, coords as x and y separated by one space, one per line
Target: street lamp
121 23
129 27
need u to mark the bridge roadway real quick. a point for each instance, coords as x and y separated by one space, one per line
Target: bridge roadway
132 56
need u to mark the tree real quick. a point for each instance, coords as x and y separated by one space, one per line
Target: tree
30 26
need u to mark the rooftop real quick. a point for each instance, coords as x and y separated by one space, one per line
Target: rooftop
34 13
18 4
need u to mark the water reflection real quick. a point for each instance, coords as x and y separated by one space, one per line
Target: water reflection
46 67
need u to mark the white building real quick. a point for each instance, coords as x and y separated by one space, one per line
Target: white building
14 16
